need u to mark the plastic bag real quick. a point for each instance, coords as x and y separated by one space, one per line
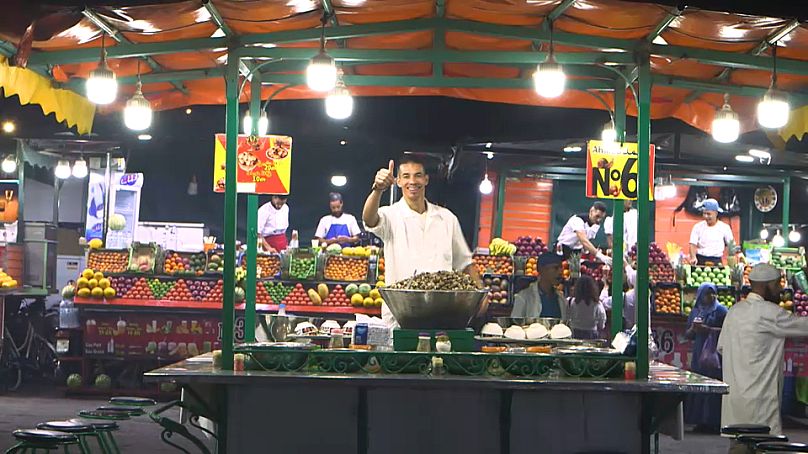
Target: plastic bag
708 357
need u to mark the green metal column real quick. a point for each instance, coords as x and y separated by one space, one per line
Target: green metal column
230 208
786 206
643 213
252 223
499 208
617 210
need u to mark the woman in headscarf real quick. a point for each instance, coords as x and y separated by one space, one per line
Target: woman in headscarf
703 327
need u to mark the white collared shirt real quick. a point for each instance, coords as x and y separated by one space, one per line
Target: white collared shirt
419 243
629 228
568 236
710 241
272 221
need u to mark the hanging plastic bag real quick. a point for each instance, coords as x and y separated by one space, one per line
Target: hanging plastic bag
708 357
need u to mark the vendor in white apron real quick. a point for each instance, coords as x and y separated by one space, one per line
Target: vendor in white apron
273 222
338 227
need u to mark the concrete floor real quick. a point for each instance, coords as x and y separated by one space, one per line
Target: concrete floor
26 408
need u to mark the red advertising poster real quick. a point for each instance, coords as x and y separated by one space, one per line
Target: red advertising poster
164 336
264 164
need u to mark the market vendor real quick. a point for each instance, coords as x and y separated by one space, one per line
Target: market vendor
629 227
338 227
580 229
418 236
273 221
710 237
541 298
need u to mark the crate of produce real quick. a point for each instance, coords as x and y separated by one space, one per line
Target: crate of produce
108 260
301 266
668 299
697 275
342 268
499 289
185 263
215 261
493 264
788 258
143 257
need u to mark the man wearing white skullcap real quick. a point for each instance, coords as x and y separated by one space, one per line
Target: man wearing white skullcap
751 343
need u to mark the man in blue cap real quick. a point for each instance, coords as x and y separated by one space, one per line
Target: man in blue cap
541 299
710 237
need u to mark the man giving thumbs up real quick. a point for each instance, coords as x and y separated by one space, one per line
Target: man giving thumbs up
418 236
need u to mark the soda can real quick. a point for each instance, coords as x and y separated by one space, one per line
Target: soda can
360 334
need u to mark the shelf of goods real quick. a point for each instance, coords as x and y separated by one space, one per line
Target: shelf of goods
193 281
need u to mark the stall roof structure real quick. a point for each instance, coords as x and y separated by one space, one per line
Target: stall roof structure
480 49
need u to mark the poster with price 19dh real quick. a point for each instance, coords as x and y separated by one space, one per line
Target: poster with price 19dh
611 170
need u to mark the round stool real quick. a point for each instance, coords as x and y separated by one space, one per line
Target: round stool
103 415
748 443
45 440
127 410
132 401
80 430
774 447
735 430
104 430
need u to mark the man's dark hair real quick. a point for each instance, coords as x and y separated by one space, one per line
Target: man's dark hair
600 206
409 158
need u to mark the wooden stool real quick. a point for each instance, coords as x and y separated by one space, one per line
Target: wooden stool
45 440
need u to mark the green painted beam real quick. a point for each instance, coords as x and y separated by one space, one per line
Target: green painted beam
716 87
786 207
217 18
730 59
663 24
558 11
439 39
644 208
121 39
230 210
499 208
448 82
437 56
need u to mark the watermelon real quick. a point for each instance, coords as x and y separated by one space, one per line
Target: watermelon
74 381
103 381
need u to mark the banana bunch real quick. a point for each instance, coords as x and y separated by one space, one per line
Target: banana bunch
498 246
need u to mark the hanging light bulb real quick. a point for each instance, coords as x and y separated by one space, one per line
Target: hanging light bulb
263 124
764 234
102 87
9 164
726 123
773 109
609 133
486 186
778 240
321 74
339 103
549 79
794 235
62 170
80 168
137 115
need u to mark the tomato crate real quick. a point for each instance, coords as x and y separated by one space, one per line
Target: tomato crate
268 265
667 299
494 264
347 269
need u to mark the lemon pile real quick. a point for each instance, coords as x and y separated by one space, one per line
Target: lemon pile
93 284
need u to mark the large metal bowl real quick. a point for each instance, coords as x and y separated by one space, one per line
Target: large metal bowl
434 309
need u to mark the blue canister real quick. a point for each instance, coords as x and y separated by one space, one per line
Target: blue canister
360 334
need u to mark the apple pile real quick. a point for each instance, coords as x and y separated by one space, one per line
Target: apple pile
140 290
297 297
659 266
215 294
529 247
490 264
337 297
262 295
800 303
497 290
595 270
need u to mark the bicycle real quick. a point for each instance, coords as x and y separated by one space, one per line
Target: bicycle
34 355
